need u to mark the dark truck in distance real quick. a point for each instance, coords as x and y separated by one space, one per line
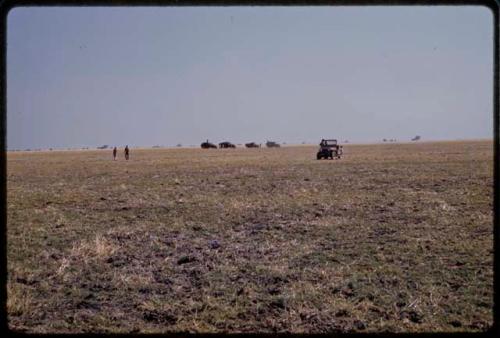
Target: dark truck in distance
272 144
329 149
207 145
226 145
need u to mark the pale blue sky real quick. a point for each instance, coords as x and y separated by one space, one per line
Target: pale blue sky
145 76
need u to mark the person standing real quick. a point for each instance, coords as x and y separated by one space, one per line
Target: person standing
126 152
114 153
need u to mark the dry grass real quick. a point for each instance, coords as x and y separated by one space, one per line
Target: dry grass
394 237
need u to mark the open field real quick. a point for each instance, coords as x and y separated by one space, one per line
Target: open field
393 237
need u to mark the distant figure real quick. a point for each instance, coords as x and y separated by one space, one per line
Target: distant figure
114 153
126 152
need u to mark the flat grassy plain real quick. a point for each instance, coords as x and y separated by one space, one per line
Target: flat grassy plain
392 238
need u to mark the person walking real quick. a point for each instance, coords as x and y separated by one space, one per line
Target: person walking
126 152
114 153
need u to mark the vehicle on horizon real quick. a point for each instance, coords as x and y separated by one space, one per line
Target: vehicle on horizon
329 149
226 145
207 145
272 144
252 145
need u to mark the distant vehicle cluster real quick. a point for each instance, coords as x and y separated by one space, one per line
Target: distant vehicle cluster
328 148
226 144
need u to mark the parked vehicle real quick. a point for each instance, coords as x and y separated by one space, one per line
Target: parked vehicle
271 144
207 145
226 145
329 149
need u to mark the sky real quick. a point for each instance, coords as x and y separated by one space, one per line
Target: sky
144 76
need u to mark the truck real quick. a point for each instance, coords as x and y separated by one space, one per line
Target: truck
329 148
